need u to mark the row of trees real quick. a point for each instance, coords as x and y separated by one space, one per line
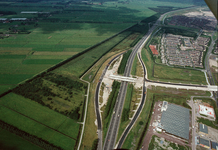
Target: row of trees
36 90
112 99
95 144
126 110
122 66
64 81
32 138
8 12
125 115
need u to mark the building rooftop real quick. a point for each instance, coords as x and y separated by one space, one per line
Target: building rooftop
214 145
203 128
175 120
204 142
205 110
164 106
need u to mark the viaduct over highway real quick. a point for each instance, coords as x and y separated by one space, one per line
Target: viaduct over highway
211 88
122 78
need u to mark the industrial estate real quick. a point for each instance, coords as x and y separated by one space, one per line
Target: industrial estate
102 75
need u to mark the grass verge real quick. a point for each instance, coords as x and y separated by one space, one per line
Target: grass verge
171 74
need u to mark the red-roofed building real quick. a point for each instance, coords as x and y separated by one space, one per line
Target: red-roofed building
153 49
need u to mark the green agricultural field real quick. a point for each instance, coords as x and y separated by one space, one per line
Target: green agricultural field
32 69
79 65
12 56
41 61
11 141
13 78
45 122
44 115
9 66
47 58
5 88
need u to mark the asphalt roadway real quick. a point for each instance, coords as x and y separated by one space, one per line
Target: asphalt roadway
115 120
98 114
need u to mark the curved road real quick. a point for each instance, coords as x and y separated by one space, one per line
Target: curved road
98 114
115 120
125 133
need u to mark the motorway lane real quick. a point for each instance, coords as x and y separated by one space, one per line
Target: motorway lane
114 123
98 114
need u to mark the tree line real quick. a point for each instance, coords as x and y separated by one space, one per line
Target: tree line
112 99
36 91
64 81
122 66
32 138
126 110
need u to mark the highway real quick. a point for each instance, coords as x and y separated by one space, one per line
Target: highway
125 133
97 111
115 120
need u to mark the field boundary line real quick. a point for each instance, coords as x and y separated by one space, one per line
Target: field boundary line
84 119
38 122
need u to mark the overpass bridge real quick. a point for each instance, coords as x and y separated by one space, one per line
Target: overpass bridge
122 78
210 88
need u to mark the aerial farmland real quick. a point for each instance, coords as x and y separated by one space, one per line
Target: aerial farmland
52 57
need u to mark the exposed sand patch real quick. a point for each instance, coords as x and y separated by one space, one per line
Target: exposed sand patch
138 83
200 14
194 13
108 82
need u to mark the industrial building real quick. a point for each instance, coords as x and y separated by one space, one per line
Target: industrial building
214 145
175 120
205 143
203 129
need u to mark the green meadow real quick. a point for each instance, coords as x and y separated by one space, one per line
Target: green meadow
46 122
9 141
